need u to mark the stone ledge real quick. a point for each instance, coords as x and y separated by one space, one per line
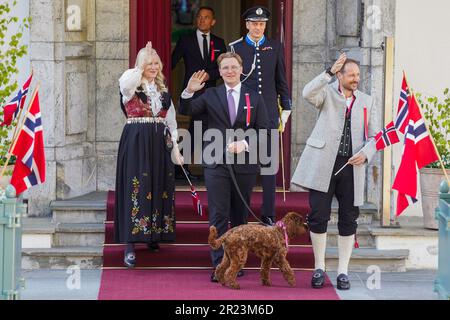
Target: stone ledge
38 226
94 201
64 252
409 227
80 228
371 253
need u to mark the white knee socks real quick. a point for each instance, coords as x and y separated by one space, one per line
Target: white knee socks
345 247
319 242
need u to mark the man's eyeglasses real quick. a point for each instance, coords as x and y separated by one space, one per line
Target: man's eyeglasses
232 68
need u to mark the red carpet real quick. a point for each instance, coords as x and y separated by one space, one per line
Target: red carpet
195 285
193 256
190 252
295 201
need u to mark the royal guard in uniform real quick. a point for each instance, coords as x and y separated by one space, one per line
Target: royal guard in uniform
265 72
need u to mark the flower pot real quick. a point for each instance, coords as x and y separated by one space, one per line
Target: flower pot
430 179
4 181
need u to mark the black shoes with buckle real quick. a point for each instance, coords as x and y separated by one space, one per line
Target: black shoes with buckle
130 259
318 279
342 282
213 276
270 221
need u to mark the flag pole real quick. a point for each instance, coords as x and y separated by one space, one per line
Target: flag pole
280 131
13 145
18 118
282 166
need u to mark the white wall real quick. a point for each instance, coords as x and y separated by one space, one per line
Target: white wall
422 50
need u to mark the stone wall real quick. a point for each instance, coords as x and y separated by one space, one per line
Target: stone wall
323 27
78 69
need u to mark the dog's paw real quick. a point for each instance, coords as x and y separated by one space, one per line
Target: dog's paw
292 283
266 283
235 286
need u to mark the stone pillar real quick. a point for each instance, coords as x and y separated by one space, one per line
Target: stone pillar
78 49
112 52
46 56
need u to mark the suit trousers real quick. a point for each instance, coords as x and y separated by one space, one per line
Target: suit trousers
342 187
224 202
269 182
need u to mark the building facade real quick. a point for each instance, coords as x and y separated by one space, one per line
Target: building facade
79 48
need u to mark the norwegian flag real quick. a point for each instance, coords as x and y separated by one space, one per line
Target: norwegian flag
403 202
11 110
29 150
401 120
417 153
387 136
196 201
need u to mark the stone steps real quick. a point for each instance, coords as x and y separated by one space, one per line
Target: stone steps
79 234
92 234
91 258
62 258
75 235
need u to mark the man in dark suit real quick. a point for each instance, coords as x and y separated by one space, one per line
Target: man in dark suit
230 106
265 72
200 50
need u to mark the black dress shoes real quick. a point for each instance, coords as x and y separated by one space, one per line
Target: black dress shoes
318 279
130 259
268 220
213 276
153 246
342 282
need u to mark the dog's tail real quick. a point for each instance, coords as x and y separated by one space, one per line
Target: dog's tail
212 238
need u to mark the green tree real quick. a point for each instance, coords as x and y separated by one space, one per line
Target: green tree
11 50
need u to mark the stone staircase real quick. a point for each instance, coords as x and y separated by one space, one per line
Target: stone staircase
75 235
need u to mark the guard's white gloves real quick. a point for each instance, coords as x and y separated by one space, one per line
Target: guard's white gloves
285 114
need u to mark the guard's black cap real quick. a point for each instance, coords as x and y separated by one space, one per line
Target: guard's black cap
256 14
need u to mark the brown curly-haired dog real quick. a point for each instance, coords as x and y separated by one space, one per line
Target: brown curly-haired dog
268 243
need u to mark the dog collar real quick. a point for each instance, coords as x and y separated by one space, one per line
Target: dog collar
283 226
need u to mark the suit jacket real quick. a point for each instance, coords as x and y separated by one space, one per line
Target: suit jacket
214 104
269 76
316 163
188 48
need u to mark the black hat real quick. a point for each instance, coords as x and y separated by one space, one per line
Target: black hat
256 14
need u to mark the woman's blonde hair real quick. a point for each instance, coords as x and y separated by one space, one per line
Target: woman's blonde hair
143 58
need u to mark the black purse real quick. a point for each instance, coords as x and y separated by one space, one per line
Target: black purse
168 143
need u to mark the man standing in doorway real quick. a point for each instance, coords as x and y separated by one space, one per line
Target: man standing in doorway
200 50
265 72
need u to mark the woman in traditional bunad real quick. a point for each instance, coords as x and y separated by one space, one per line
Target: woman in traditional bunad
145 185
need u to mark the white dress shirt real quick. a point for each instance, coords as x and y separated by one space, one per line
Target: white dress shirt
236 94
200 41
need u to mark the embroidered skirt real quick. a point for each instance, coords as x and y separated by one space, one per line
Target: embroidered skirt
145 186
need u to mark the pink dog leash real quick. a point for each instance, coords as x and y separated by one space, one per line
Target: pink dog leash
283 226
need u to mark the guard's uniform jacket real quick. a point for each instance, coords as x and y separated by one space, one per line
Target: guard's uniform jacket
265 72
